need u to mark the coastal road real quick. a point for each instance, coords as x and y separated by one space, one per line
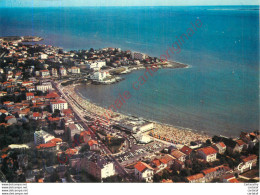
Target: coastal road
78 114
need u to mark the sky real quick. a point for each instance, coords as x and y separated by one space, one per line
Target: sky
58 3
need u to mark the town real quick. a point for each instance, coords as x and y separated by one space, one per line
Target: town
48 134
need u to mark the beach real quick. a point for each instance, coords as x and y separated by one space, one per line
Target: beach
172 134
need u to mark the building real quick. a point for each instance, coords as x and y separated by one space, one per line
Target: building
75 70
63 71
159 164
247 163
54 72
138 56
136 125
179 155
29 96
220 147
187 151
96 65
59 104
44 87
250 138
100 76
144 172
94 164
197 178
42 137
214 172
209 154
45 73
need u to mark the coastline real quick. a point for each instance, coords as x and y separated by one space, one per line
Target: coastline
180 135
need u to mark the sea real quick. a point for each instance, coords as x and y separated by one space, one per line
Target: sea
219 92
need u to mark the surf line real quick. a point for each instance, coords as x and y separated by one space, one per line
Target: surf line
176 46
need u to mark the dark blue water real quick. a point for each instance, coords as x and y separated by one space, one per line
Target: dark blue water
218 94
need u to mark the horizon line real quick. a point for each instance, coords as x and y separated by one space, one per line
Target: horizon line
125 6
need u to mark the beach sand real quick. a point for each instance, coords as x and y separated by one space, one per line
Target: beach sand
178 135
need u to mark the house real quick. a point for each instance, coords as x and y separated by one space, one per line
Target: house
94 164
45 73
93 144
247 163
42 137
209 154
242 145
59 104
215 172
29 96
11 119
179 155
187 151
169 160
178 165
220 147
250 138
233 146
75 70
63 71
159 164
143 172
197 178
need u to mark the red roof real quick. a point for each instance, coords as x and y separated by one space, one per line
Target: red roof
29 94
52 95
240 142
208 150
194 177
71 151
141 166
250 158
164 161
47 145
56 140
92 142
210 170
9 117
36 114
60 101
156 162
222 144
186 150
233 180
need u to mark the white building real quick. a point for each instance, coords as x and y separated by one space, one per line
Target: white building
209 154
98 166
63 71
44 56
75 70
138 56
59 105
136 125
143 172
44 87
45 73
42 137
100 76
96 65
54 72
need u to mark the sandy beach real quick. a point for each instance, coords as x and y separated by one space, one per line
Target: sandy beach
173 134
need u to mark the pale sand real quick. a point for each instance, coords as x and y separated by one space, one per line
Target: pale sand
179 135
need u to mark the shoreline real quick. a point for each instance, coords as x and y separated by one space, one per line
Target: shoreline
180 135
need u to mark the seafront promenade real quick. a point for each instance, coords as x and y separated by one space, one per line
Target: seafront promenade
179 136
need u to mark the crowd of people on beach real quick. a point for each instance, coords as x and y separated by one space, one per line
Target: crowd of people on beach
164 132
